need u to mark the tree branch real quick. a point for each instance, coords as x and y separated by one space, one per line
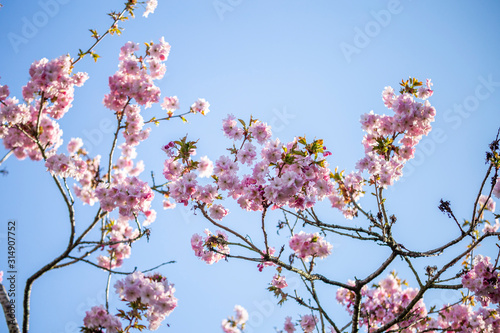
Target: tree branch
10 317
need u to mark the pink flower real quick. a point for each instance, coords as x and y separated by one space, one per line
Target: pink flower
200 106
154 292
410 122
496 189
167 204
204 247
4 92
160 51
289 326
231 129
308 323
205 167
98 318
484 280
279 281
388 96
150 7
74 144
229 327
425 92
247 154
310 245
217 212
170 103
487 204
260 131
491 228
241 315
234 324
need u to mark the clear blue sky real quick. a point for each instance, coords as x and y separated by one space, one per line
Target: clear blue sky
307 67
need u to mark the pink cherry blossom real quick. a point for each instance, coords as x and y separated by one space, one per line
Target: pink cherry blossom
308 323
170 104
200 106
289 326
98 318
205 167
484 280
218 212
307 246
152 291
279 281
235 324
150 7
212 248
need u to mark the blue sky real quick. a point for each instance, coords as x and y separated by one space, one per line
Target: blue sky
308 68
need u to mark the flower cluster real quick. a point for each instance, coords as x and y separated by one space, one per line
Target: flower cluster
170 104
120 235
4 92
151 294
25 127
231 129
150 7
462 318
385 154
279 281
52 81
98 319
68 165
483 280
491 227
217 212
88 181
130 194
486 203
308 246
211 249
308 323
261 265
496 189
301 176
349 190
384 302
132 80
424 92
289 326
200 106
235 324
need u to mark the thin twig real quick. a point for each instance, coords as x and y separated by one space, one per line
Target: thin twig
6 156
